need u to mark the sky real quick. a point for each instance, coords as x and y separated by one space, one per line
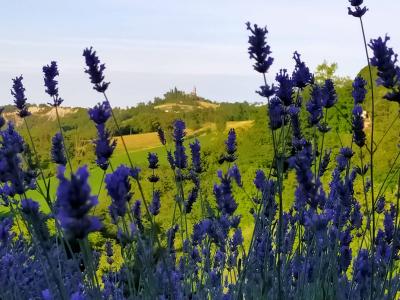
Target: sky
152 46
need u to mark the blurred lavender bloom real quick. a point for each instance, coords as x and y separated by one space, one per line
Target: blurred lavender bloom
358 126
18 92
388 72
57 150
50 73
324 162
192 197
119 187
161 136
259 180
380 205
259 50
266 90
314 106
388 223
100 113
30 207
2 120
301 75
285 88
95 70
293 112
225 200
329 97
74 202
155 204
196 160
234 173
152 158
231 146
104 147
359 91
358 12
180 158
276 113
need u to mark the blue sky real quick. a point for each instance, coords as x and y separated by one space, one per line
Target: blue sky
152 46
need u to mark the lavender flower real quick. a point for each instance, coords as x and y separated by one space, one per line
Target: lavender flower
192 197
100 113
329 97
234 173
95 70
285 89
358 126
74 202
118 187
359 90
155 204
50 73
258 49
223 193
358 12
18 92
388 72
161 136
152 158
266 90
314 106
57 150
196 160
179 153
231 146
104 147
276 113
301 75
2 120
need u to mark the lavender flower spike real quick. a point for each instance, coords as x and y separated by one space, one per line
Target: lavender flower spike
100 113
358 12
50 73
74 202
118 187
95 70
18 92
258 49
57 150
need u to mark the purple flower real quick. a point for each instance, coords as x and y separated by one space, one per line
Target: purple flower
359 90
30 207
104 146
74 202
119 187
231 146
314 106
155 204
57 150
50 73
358 126
388 224
380 205
161 135
192 197
237 238
388 72
276 113
301 75
258 49
266 90
234 173
285 88
196 160
179 153
329 97
152 158
358 12
95 70
2 120
223 193
259 180
293 112
18 92
100 113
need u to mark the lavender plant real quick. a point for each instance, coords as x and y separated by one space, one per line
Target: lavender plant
326 245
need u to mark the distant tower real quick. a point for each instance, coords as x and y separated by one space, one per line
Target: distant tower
194 92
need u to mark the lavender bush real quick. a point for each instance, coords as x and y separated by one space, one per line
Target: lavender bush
328 245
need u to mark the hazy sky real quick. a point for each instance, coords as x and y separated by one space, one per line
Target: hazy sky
151 46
